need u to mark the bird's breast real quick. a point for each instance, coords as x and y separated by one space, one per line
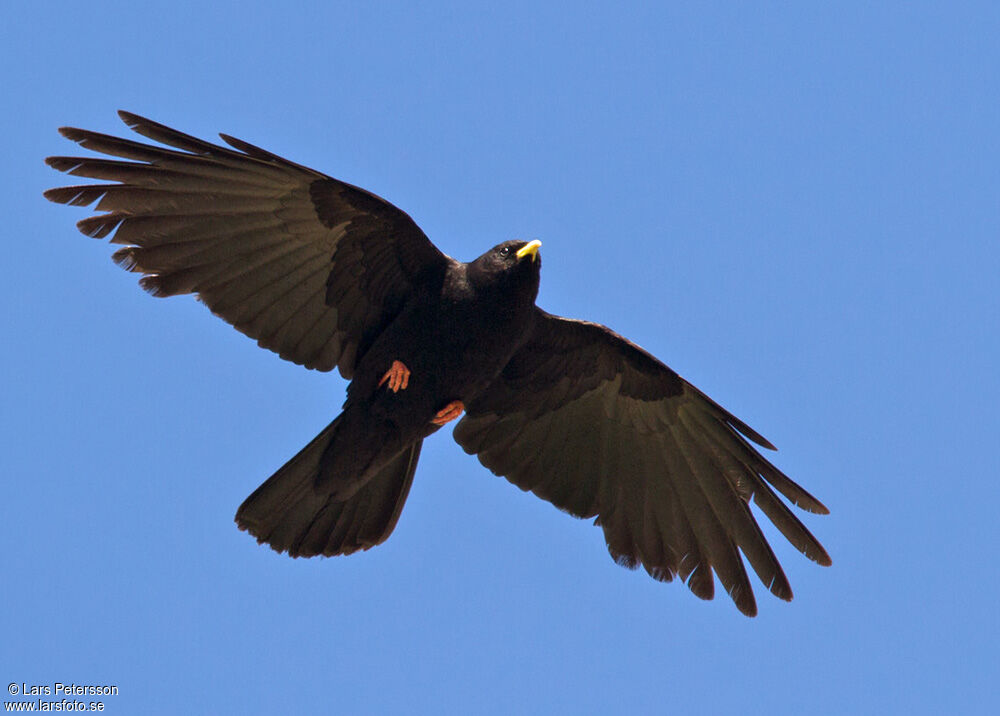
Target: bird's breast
453 349
468 344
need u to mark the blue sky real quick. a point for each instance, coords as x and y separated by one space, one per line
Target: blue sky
794 205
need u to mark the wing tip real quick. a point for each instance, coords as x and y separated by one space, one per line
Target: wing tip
153 285
98 227
247 148
805 501
51 194
700 586
127 259
58 163
741 427
781 587
131 119
820 509
75 134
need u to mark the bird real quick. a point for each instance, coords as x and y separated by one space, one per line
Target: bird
329 275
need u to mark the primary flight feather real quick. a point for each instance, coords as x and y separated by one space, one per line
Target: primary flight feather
329 275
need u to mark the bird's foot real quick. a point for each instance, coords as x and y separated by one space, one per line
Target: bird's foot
398 376
449 412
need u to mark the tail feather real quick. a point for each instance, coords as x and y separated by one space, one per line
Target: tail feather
291 515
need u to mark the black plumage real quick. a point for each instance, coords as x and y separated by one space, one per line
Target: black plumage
329 275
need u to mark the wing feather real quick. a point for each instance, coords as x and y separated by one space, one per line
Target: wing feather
600 428
718 475
310 267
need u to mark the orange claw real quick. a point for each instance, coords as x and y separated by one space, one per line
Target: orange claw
449 412
398 376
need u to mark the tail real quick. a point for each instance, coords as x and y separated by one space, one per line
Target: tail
291 515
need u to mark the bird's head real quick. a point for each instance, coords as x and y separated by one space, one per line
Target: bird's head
510 266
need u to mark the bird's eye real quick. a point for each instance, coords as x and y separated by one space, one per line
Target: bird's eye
505 252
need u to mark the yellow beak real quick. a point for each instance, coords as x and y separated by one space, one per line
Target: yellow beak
529 249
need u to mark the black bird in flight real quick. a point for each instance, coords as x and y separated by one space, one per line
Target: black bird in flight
329 275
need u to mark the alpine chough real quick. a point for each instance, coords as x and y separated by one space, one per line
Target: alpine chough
329 275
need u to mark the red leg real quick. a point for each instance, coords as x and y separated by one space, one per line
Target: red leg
448 413
398 376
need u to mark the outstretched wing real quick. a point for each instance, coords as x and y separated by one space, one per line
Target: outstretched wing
310 267
598 427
